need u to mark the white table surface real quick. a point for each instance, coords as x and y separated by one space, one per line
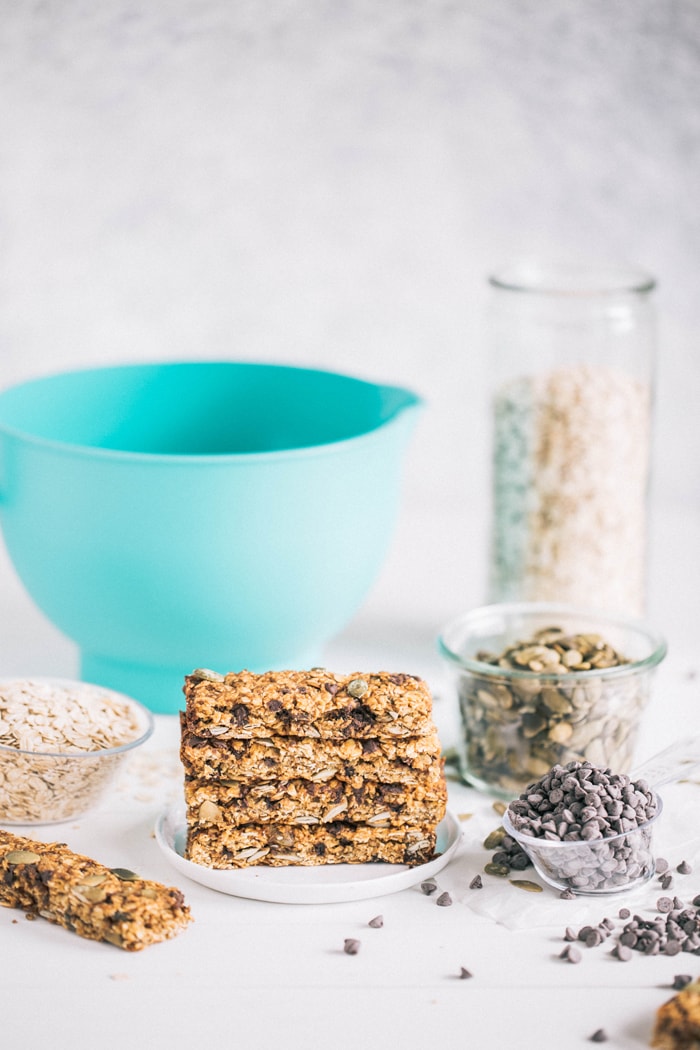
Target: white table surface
248 973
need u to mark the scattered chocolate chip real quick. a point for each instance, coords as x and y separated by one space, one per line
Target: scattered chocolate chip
444 900
570 935
666 882
622 952
567 895
464 973
664 904
571 954
377 922
680 981
599 1036
624 913
684 868
428 887
476 883
351 946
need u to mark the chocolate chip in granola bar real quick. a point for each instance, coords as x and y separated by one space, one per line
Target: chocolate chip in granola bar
240 714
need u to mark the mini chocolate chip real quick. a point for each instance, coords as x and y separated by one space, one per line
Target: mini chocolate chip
599 1036
684 868
624 913
377 922
464 973
239 714
428 887
476 883
351 946
680 981
661 865
444 900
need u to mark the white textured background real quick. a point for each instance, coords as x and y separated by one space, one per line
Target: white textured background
329 183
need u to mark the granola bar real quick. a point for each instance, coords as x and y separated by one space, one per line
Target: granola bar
408 761
305 802
677 1025
279 845
313 703
78 893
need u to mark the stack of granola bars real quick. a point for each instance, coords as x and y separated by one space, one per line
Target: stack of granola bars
310 767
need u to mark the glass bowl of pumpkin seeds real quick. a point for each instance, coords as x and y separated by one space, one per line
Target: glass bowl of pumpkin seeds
539 684
62 745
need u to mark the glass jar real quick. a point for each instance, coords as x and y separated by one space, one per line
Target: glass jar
540 684
572 356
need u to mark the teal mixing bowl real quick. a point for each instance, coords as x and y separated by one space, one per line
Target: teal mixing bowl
182 515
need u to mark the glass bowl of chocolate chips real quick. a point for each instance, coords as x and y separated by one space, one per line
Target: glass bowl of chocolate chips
544 684
586 829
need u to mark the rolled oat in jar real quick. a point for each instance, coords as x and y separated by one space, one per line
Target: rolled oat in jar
573 359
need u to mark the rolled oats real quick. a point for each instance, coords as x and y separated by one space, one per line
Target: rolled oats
53 736
571 455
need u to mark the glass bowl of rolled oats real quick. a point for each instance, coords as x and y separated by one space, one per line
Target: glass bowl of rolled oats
62 744
541 684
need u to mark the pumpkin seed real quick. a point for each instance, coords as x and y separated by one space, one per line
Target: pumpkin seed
209 811
501 871
94 880
22 856
525 884
125 875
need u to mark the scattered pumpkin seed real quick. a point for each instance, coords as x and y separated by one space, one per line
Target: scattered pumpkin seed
501 871
495 838
525 884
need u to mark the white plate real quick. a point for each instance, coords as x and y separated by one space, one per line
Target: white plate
320 884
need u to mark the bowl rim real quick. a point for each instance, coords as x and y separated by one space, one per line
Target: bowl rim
656 641
145 716
523 839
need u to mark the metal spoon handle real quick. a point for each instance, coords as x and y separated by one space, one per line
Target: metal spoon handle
670 765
